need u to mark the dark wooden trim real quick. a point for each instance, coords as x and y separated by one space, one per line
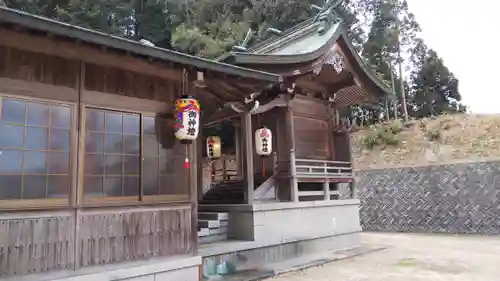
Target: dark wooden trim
38 90
87 54
118 102
219 116
113 42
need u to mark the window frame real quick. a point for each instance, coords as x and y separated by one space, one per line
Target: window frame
77 130
141 199
47 203
161 197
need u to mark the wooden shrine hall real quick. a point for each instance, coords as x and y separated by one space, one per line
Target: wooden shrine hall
312 148
94 184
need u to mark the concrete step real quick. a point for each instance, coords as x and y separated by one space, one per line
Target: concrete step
203 232
213 216
218 230
211 223
214 231
212 238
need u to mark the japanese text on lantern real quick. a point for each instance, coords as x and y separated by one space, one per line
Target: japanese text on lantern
265 145
192 122
187 111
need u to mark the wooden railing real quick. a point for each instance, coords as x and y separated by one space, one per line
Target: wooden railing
224 169
339 171
310 170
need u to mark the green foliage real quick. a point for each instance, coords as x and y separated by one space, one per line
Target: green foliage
433 134
370 140
389 138
383 134
209 28
395 126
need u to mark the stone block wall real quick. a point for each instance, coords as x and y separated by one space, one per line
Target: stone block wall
454 198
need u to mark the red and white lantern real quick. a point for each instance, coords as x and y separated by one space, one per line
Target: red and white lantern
213 147
187 115
263 142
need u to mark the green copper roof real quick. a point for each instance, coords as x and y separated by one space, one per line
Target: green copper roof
306 42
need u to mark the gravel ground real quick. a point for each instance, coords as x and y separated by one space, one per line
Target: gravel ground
414 257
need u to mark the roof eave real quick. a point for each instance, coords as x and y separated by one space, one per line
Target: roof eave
252 58
94 37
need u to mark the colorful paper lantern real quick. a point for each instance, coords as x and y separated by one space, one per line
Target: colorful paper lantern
263 142
213 147
187 115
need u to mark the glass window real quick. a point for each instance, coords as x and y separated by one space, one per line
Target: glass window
34 149
163 166
112 153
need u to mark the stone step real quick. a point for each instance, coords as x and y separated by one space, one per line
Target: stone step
208 223
211 223
212 238
213 216
203 232
214 231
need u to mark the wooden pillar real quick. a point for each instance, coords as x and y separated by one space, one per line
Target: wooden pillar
199 166
246 127
194 184
294 184
290 134
237 144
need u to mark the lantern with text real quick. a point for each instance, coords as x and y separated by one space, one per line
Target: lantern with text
263 142
213 147
187 118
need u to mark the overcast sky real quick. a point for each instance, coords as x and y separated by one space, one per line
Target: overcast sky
463 34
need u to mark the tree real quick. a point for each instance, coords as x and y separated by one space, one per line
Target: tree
435 88
209 28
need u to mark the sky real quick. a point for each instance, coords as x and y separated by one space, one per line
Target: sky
462 34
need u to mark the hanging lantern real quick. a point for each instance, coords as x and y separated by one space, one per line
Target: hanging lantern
213 147
187 115
263 142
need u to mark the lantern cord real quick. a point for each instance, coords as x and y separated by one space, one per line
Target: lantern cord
186 161
184 82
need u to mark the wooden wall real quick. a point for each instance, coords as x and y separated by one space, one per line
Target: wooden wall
45 241
124 235
39 238
312 129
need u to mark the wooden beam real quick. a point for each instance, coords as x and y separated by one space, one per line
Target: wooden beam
248 148
219 116
86 53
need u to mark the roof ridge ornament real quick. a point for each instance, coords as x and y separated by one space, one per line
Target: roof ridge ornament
328 14
275 31
243 46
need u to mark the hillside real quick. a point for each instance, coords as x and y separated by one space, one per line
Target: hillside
443 139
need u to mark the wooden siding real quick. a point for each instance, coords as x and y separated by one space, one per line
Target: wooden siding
76 235
36 244
128 83
310 107
111 237
312 140
35 67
